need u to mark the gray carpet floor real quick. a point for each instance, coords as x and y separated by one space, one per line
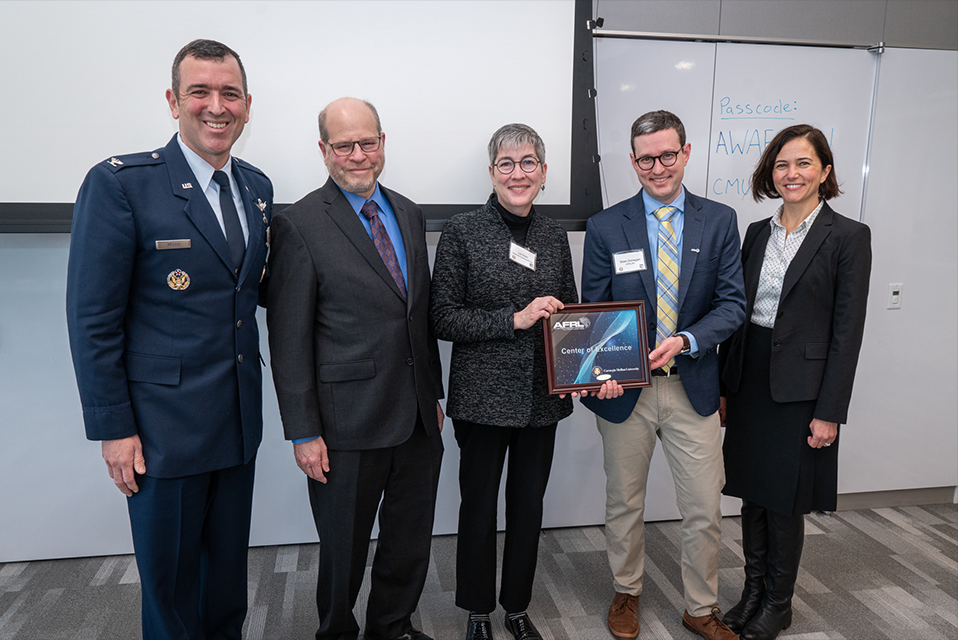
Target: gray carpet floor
869 574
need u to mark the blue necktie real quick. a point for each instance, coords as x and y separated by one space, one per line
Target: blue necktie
234 232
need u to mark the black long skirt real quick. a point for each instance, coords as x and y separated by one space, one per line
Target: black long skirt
767 457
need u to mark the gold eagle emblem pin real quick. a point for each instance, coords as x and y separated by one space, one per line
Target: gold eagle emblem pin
178 280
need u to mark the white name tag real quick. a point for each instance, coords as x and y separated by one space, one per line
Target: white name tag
521 255
629 261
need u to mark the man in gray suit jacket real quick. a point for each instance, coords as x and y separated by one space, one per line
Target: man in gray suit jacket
357 376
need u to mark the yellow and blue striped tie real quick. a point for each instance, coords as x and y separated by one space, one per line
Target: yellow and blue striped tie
666 280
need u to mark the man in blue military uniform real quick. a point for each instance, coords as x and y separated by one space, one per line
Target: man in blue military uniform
167 266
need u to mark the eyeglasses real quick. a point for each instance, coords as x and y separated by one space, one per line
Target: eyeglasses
343 149
527 164
667 159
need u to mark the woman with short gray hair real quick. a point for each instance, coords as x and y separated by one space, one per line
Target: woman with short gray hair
500 270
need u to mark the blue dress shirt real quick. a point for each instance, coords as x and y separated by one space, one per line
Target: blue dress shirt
678 225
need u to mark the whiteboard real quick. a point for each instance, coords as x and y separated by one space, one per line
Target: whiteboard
733 99
89 79
633 77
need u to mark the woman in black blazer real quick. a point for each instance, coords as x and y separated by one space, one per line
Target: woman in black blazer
488 298
787 373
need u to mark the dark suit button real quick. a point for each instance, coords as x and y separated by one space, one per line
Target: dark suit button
239 358
652 325
409 361
239 288
239 323
780 314
777 343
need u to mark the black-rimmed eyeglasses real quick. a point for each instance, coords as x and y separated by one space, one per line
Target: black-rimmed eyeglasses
667 159
527 164
343 149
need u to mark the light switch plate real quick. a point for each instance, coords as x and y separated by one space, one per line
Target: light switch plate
894 295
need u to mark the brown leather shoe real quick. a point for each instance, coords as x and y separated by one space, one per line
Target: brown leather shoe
708 626
624 616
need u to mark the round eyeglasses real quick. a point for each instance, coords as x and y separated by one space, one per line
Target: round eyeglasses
667 159
343 149
527 164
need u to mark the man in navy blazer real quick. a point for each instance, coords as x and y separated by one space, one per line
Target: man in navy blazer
627 257
167 266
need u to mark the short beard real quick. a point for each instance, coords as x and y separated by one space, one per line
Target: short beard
344 181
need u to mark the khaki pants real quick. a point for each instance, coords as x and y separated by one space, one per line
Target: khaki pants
693 448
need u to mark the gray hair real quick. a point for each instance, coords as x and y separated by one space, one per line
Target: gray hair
204 50
514 135
324 132
654 121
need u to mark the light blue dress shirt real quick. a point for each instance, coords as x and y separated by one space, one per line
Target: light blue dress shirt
678 225
203 172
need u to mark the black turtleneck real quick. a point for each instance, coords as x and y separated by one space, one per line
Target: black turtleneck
518 225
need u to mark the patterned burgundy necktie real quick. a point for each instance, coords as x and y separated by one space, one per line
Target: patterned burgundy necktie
383 244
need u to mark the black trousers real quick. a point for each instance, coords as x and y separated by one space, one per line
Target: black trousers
405 477
482 453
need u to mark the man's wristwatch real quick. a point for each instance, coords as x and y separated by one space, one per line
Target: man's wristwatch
686 345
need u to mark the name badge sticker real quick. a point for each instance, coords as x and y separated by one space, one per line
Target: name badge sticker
521 255
629 261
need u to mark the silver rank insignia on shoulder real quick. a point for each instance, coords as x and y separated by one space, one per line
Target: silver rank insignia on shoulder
114 161
178 280
187 185
261 205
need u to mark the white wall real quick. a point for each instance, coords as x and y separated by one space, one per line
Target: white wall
902 430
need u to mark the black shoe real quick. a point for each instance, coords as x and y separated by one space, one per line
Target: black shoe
768 623
755 547
522 628
414 634
478 629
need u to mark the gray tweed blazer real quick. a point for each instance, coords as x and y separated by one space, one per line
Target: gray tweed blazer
497 375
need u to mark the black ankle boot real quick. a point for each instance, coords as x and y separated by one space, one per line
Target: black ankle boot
786 536
755 547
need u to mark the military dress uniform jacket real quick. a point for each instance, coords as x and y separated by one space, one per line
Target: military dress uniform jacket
163 334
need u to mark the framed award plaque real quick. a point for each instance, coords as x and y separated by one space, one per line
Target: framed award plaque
587 344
